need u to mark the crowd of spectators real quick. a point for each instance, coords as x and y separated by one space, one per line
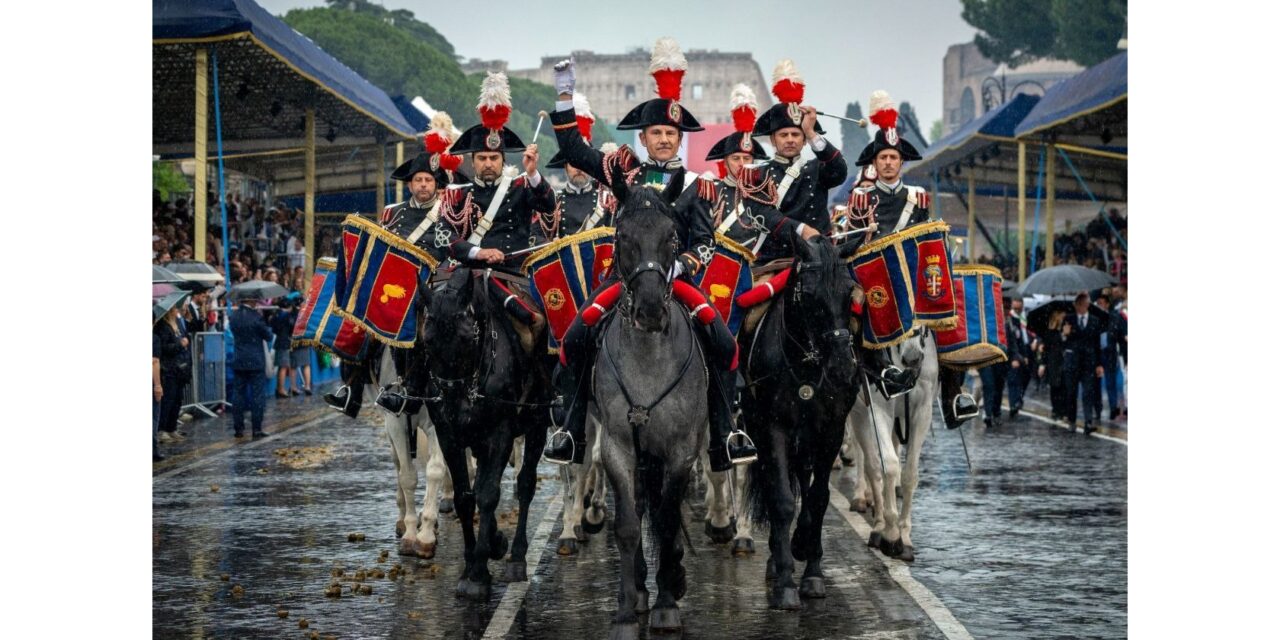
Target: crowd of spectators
1095 246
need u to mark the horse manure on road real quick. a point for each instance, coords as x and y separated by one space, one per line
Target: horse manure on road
282 613
304 457
237 591
226 577
302 623
213 488
334 590
355 537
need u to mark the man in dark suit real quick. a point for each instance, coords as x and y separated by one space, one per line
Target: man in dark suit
1019 355
1086 365
1112 337
250 333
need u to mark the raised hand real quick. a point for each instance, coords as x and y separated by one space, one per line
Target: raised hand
530 159
564 79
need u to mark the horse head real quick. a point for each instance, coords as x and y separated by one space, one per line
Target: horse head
644 255
820 287
452 331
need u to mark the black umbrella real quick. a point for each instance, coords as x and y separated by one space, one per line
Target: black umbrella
1064 279
161 274
1038 318
164 304
257 290
194 270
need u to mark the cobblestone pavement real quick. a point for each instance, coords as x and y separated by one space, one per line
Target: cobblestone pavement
1031 543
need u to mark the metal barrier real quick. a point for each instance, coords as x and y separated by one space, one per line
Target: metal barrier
208 386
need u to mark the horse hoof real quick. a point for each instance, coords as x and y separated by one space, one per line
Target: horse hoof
813 587
719 535
743 547
407 547
642 602
874 540
665 619
472 590
579 533
892 549
859 505
624 631
568 547
785 598
590 527
446 505
499 547
516 572
425 550
908 554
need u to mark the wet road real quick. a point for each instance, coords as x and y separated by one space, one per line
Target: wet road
1031 543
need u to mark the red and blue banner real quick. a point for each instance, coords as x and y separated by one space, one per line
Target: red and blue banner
318 326
725 277
906 277
563 274
978 338
378 278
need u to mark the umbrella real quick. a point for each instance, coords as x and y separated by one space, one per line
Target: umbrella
161 274
257 290
1009 288
193 270
163 305
161 289
1038 319
1066 278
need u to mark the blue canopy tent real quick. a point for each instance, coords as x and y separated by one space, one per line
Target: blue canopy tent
280 105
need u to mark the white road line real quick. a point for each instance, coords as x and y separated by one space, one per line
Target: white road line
1055 423
898 570
241 447
505 615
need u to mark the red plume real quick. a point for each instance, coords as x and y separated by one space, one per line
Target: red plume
885 118
788 91
744 118
494 117
450 162
436 142
721 170
584 127
669 83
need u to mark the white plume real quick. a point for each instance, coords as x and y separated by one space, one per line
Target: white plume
880 101
510 171
608 147
667 55
786 70
443 122
495 91
742 94
581 106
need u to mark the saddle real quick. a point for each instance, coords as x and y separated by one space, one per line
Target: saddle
512 292
769 279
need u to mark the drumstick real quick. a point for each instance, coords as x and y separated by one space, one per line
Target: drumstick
849 232
529 250
542 115
861 123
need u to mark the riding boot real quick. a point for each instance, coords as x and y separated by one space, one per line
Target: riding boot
348 398
414 379
957 406
569 410
894 380
729 445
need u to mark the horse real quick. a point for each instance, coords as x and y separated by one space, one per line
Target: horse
881 425
484 380
650 391
583 491
800 373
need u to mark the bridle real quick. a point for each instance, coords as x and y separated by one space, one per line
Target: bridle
484 366
644 267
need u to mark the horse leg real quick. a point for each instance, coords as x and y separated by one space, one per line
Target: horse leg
857 469
400 501
620 464
872 464
671 574
782 511
593 517
891 536
491 544
719 526
803 522
406 488
456 459
572 481
446 504
743 542
436 473
526 483
816 500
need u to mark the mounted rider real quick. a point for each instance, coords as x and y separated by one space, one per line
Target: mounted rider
662 122
891 206
582 205
425 175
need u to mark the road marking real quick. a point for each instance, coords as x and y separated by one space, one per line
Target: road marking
313 421
1055 423
899 571
505 615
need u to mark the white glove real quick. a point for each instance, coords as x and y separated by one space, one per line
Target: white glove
564 80
676 270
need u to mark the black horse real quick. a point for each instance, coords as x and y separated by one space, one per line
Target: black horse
650 396
487 390
800 373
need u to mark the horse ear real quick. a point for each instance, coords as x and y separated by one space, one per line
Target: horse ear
846 249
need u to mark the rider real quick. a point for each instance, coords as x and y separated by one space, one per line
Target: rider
426 176
893 206
489 217
582 204
662 121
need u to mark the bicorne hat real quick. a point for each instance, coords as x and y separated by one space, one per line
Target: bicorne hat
788 88
494 108
667 65
884 113
435 160
742 104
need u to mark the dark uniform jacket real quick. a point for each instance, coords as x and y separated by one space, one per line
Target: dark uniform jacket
1015 333
402 218
806 199
249 330
510 229
1086 342
573 209
693 227
718 199
889 203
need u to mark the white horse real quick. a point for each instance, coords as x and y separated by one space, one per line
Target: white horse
853 464
583 487
874 426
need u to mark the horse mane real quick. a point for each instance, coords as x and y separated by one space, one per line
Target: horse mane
643 209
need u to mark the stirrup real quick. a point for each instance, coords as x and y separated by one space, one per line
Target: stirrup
738 433
338 394
551 441
884 382
387 392
955 408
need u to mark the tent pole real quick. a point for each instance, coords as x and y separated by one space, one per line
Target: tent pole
200 207
400 161
1050 193
1035 220
973 215
1022 211
222 179
382 177
1089 192
309 201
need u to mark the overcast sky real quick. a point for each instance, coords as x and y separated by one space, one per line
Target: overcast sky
845 49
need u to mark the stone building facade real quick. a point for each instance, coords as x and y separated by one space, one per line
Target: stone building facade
973 84
616 82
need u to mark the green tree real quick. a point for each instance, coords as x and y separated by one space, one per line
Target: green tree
402 19
166 179
935 132
853 137
1018 31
